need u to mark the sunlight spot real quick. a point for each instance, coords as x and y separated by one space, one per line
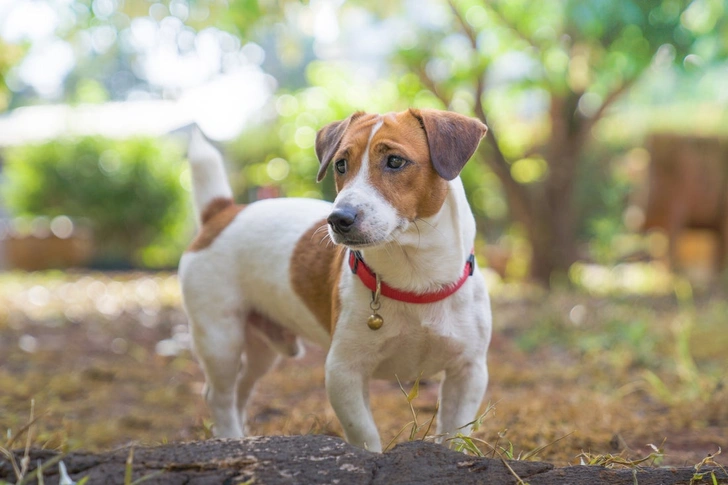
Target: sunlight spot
119 346
529 170
277 169
62 227
39 296
167 348
28 343
577 315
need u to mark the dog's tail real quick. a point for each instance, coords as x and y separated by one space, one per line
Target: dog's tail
210 184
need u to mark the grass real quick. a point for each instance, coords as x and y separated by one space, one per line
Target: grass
619 461
708 461
575 376
21 469
414 425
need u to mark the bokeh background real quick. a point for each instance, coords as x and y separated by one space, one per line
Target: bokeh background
98 96
601 195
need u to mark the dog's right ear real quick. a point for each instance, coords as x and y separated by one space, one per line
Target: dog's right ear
328 140
451 137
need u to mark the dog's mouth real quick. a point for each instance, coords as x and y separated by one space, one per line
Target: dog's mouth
360 240
356 242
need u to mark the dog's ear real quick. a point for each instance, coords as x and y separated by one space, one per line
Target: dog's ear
328 140
451 137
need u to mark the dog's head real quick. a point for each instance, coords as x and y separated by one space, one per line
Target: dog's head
392 169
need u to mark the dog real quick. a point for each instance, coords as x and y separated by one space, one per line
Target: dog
384 278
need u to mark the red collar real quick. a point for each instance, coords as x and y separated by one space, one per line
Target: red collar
369 278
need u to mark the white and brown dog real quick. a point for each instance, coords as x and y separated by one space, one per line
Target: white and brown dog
257 278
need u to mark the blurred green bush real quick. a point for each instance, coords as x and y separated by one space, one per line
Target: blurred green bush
129 191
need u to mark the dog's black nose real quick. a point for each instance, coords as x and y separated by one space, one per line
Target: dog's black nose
342 219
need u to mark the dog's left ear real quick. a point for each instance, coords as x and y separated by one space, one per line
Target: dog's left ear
328 140
451 137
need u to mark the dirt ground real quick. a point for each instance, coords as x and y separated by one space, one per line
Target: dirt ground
105 359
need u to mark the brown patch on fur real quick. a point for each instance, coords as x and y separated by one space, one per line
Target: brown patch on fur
218 214
328 140
315 268
348 143
214 207
437 144
276 336
452 138
417 190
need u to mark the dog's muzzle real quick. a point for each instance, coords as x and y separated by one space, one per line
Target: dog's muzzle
343 219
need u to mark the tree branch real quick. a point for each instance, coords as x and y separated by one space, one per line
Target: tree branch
432 86
612 97
491 5
469 32
586 127
517 194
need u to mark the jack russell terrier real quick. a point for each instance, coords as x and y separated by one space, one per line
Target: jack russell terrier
396 295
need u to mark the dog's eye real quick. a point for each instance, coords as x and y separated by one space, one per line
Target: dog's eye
395 162
340 166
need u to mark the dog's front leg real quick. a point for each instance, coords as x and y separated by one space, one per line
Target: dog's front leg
461 394
347 388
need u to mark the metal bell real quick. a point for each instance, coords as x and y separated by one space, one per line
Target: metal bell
375 321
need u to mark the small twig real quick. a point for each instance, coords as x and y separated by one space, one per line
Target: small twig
391 442
129 467
25 462
39 473
500 435
539 449
22 430
11 458
434 415
42 468
519 480
710 461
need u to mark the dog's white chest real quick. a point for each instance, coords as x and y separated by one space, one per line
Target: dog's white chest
410 355
415 339
421 342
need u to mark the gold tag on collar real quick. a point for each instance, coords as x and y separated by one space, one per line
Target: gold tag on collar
375 321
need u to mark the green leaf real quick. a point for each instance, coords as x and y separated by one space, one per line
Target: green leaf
415 391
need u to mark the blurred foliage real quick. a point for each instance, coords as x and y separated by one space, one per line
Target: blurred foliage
542 74
10 54
601 196
110 47
281 153
129 191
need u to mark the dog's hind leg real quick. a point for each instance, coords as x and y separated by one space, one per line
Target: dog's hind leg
259 358
219 351
265 342
218 336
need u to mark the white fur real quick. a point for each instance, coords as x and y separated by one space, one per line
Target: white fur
209 180
378 219
248 266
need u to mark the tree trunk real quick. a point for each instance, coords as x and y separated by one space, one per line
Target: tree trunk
549 221
549 213
551 235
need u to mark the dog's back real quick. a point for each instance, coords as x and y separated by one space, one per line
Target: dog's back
240 259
